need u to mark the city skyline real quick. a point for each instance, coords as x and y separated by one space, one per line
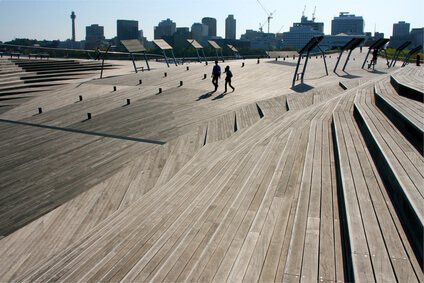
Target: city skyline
46 19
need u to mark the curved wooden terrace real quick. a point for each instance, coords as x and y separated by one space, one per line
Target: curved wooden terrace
319 182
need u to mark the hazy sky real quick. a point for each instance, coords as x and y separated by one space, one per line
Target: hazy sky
50 19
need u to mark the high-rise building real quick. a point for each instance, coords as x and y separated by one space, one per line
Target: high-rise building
127 29
230 27
417 35
348 24
301 32
199 31
165 28
400 35
211 23
94 36
180 37
401 29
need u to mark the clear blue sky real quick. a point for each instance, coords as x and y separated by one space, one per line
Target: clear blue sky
50 19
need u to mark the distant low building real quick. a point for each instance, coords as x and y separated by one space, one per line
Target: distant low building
332 42
259 40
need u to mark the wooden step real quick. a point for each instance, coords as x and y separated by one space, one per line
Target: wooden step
406 114
399 164
409 82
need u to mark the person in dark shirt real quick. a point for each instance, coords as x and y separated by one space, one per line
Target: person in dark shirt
216 74
228 77
374 59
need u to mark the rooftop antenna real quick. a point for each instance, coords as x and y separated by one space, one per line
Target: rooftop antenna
304 9
313 14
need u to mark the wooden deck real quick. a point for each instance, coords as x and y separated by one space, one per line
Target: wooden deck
265 184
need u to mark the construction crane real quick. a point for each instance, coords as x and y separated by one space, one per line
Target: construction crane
280 29
267 13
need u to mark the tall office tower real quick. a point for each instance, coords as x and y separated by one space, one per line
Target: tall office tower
94 36
165 28
73 16
127 29
348 24
230 27
211 23
417 35
401 29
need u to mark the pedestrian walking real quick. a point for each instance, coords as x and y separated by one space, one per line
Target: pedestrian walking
216 74
228 77
374 59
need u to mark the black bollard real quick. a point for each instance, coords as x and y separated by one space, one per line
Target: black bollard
128 101
206 63
418 60
284 58
114 88
181 83
140 82
258 60
188 68
165 74
88 116
142 69
242 64
276 59
160 90
80 98
40 110
204 76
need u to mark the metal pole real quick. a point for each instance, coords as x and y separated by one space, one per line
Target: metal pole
347 59
203 52
297 68
325 61
103 61
387 58
366 58
166 58
175 60
147 62
198 56
132 58
338 60
304 67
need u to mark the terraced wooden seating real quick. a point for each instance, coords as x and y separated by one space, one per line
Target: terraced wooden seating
243 190
408 82
406 114
376 247
77 217
399 164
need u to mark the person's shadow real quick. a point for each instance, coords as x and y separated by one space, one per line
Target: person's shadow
205 96
220 96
